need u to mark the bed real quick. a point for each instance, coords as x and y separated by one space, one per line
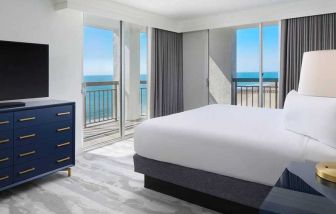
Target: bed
221 152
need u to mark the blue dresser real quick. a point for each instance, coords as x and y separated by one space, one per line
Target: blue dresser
36 140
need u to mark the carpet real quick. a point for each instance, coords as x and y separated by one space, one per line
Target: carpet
103 181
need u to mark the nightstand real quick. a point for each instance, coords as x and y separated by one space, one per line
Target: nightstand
300 190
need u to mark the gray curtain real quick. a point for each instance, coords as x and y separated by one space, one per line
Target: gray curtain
300 35
167 72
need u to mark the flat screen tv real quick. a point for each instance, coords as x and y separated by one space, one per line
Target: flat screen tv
24 70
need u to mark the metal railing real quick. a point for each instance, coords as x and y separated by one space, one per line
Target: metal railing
143 93
101 101
246 92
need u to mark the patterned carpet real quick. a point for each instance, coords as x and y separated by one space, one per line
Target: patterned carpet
103 181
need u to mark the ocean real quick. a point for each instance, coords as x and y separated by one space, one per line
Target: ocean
268 74
98 98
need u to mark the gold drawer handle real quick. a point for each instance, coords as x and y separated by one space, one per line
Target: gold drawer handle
26 171
4 159
63 113
4 178
4 122
27 119
62 160
4 141
28 153
27 136
64 129
63 144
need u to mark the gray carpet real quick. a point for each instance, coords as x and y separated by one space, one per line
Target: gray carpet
103 181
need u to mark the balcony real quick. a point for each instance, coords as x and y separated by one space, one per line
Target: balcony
102 111
246 92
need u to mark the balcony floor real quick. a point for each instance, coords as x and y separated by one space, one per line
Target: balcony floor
102 132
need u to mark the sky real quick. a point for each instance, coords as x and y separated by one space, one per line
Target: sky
248 49
98 51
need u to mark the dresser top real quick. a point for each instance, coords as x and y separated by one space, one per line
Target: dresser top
38 104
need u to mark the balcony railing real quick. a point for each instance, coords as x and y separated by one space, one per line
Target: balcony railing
246 92
101 101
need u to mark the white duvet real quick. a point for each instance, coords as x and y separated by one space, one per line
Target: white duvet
241 142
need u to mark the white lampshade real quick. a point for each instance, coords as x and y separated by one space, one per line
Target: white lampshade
318 74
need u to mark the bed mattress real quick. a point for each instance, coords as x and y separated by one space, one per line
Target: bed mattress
241 142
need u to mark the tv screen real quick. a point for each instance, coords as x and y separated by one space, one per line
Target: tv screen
24 70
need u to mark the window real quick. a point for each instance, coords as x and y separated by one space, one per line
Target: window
244 65
255 60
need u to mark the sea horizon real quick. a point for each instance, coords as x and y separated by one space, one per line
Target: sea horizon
104 78
240 74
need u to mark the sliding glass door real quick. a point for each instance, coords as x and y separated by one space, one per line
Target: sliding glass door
101 89
244 65
246 79
270 65
115 79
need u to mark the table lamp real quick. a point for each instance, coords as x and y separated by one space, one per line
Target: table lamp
318 78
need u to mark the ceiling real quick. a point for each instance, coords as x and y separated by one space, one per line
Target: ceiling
188 9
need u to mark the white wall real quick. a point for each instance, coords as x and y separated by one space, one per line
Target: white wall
37 21
222 64
195 69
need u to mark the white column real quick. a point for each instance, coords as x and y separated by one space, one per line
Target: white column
116 70
132 72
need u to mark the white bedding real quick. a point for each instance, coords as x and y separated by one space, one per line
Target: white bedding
241 142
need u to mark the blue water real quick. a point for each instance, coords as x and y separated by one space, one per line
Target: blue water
99 106
247 75
104 78
272 74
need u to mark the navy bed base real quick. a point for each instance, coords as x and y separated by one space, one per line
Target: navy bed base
217 192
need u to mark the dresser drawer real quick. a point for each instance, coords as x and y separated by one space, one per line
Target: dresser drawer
6 157
61 113
40 116
6 121
60 131
30 118
5 177
61 160
29 136
6 139
26 153
27 170
57 147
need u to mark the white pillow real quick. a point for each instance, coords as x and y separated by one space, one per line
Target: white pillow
311 116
